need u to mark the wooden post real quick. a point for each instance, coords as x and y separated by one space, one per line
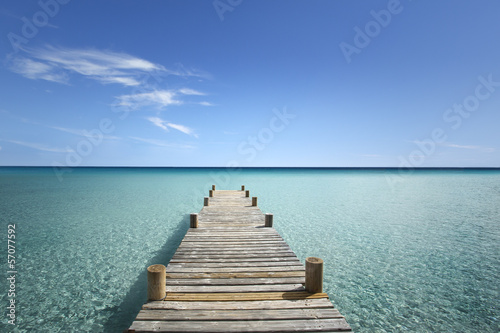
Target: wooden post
211 193
242 187
247 193
254 201
194 220
205 201
269 220
213 187
314 275
157 282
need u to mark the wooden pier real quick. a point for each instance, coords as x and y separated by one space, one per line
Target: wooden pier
234 273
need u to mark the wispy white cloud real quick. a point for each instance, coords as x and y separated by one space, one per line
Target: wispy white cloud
38 70
206 104
56 64
161 143
472 147
182 128
158 98
40 146
84 133
188 91
165 125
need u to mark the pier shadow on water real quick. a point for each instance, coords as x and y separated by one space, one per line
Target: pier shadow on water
125 313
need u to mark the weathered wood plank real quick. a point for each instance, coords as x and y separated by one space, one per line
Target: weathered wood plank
235 288
234 270
251 264
241 305
234 260
240 250
233 273
241 296
243 255
219 315
235 281
314 325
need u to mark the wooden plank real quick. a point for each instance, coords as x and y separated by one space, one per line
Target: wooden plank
233 260
236 281
315 325
220 315
237 250
241 296
235 288
190 270
236 255
240 305
251 264
234 272
232 244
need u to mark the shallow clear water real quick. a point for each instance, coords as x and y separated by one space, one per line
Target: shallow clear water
416 252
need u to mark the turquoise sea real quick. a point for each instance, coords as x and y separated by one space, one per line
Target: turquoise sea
404 251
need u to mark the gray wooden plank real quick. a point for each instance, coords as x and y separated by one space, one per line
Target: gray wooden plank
253 263
235 281
235 288
174 268
268 314
233 260
247 305
313 325
236 250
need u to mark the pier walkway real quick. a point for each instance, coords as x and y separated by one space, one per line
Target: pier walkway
231 273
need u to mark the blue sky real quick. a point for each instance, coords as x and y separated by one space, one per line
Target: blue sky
250 83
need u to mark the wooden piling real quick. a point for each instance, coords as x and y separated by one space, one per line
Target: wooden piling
194 220
205 201
254 201
247 193
211 193
242 187
269 220
157 282
213 187
314 275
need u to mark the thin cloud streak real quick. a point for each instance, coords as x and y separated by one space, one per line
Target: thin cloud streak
165 125
40 146
56 63
158 98
161 143
472 147
84 133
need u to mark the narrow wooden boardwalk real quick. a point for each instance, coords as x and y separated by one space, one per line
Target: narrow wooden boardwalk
232 274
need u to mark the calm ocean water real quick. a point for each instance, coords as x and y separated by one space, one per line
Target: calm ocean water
416 252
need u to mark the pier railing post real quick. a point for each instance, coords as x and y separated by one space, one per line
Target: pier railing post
157 282
194 220
269 220
247 193
211 193
314 275
205 201
213 187
254 201
242 187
